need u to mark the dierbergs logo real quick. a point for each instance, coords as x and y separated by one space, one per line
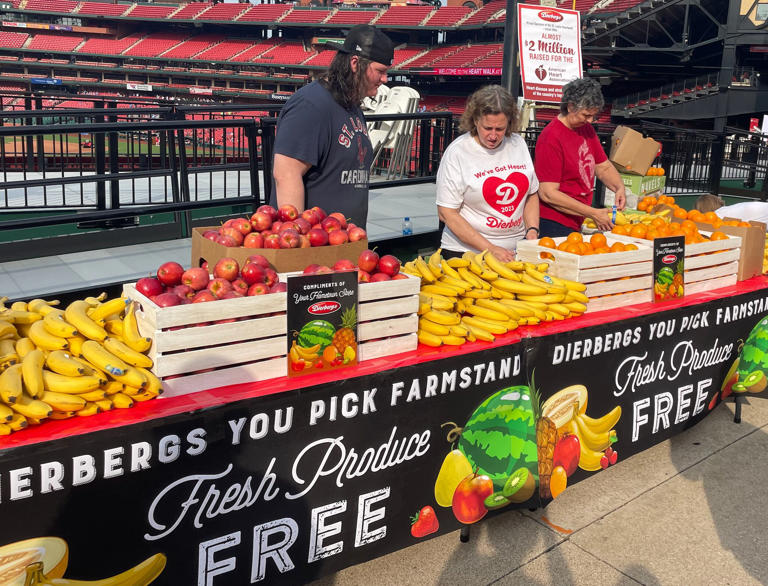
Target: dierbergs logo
669 259
324 307
550 16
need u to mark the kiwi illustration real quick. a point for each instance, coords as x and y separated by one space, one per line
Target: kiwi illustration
520 486
755 382
496 501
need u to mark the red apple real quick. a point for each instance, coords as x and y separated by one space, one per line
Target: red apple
197 278
363 276
337 237
343 265
259 260
368 260
204 266
276 226
469 498
149 286
240 287
270 277
566 454
184 291
322 270
231 294
258 289
278 288
227 268
254 240
288 226
169 273
399 276
211 235
356 234
289 238
226 240
229 223
235 234
320 213
242 225
376 277
331 224
389 264
340 217
318 237
203 296
311 216
305 243
311 269
219 286
272 241
302 225
288 212
265 233
261 221
253 273
168 299
268 210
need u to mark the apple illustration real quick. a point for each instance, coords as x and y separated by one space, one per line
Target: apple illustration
149 286
227 268
169 273
254 240
318 237
356 234
566 454
203 296
368 260
268 209
468 498
261 221
219 286
197 278
288 212
258 289
340 217
260 260
337 237
389 264
253 273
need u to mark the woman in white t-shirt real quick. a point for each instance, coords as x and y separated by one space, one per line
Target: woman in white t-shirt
487 191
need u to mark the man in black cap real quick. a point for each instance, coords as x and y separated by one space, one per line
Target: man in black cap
322 150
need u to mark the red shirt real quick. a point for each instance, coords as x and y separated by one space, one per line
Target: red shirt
568 157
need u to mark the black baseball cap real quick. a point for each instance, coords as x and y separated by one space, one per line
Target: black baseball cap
367 42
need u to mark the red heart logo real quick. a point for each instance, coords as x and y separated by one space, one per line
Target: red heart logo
541 73
503 195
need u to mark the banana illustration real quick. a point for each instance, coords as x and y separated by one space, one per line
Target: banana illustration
10 384
44 340
597 442
310 353
56 325
67 402
434 328
62 363
589 460
32 373
429 339
604 423
69 384
104 310
30 407
127 354
76 314
23 347
140 575
102 358
293 353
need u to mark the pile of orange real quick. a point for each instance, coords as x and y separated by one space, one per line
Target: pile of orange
655 172
659 228
575 243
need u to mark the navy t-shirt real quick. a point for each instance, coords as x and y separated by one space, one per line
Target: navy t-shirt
315 129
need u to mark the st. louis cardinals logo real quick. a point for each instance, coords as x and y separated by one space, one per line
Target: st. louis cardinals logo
504 195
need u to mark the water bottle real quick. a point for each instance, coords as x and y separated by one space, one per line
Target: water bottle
407 226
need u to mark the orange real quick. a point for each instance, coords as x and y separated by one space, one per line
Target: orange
621 230
690 238
710 217
572 247
562 245
670 199
651 234
658 222
680 213
663 199
695 215
663 230
547 242
638 231
602 250
717 235
717 223
618 247
575 237
674 229
642 206
652 201
630 246
597 240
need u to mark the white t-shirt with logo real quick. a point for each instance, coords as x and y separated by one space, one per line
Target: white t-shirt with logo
489 187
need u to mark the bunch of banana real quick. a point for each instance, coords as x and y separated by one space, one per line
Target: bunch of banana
310 355
595 436
59 363
632 217
484 297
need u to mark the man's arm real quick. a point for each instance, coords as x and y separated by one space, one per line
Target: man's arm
288 173
608 174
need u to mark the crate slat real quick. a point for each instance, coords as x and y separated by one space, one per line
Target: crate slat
244 373
619 301
239 331
395 345
387 327
709 284
711 272
388 308
618 286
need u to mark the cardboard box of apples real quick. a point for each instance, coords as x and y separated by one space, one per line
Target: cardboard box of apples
289 240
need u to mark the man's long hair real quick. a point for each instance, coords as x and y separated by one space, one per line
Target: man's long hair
346 86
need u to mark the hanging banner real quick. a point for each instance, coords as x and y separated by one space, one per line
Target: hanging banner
549 42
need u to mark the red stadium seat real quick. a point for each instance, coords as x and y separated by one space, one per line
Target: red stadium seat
344 16
101 8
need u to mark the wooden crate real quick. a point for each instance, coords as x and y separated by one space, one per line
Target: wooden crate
623 277
244 339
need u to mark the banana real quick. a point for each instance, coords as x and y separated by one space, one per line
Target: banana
41 306
473 279
90 369
459 283
8 353
459 330
478 333
424 271
90 408
8 330
434 263
32 373
429 338
559 308
112 387
553 315
539 276
493 328
461 305
525 306
56 325
131 391
56 415
114 326
96 301
440 289
69 384
5 429
44 340
109 308
140 575
499 267
568 284
530 321
457 262
573 295
448 269
76 314
6 413
121 401
30 407
452 340
526 278
154 384
23 347
10 384
437 301
144 396
105 404
476 266
131 335
62 363
17 422
433 328
479 294
575 306
423 308
546 298
76 346
95 395
510 312
595 441
19 306
484 312
519 288
20 316
499 294
102 358
589 460
604 423
442 317
490 323
130 356
131 377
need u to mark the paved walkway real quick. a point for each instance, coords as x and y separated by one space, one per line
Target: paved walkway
691 510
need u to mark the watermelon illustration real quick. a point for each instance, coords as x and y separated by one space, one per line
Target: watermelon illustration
316 332
500 436
665 276
753 360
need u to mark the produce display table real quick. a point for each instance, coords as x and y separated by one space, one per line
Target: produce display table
284 480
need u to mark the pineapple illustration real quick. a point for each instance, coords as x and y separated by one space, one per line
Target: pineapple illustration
345 336
546 438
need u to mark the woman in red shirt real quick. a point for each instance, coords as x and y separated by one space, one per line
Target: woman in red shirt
568 156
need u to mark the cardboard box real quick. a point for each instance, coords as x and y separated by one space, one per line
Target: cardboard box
644 185
284 260
630 152
752 245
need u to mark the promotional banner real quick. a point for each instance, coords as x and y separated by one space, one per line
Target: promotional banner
668 268
291 486
549 42
492 71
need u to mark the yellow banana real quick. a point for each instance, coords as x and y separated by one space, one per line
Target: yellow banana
114 326
41 306
423 308
102 358
532 309
595 441
44 340
131 391
144 396
131 377
575 306
518 288
19 306
95 395
424 271
6 413
442 317
18 316
452 340
96 301
476 266
10 384
479 294
448 269
499 267
131 335
457 262
30 407
589 460
478 333
459 330
76 345
89 368
499 294
62 363
604 423
154 384
8 353
459 283
530 321
492 324
560 308
546 298
509 311
56 325
568 284
112 387
526 278
56 415
573 295
493 328
90 408
461 305
437 301
17 422
69 384
130 356
8 330
434 263
109 308
5 429
553 315
140 575
121 401
32 373
76 314
473 279
492 314
440 289
429 338
433 328
23 347
105 404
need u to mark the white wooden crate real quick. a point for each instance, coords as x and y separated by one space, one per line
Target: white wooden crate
243 340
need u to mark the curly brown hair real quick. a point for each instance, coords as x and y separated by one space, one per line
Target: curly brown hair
489 100
346 86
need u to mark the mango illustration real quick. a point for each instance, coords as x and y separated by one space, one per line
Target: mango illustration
455 468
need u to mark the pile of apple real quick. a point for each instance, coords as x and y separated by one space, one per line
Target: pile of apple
286 228
174 285
370 268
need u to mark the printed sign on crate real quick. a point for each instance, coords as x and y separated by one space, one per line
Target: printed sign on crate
668 268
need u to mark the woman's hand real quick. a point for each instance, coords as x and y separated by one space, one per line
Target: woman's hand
502 254
602 218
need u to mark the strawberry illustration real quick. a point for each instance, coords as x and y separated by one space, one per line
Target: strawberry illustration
424 522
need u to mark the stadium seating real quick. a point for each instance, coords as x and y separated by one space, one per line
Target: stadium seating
619 6
482 15
193 46
404 54
447 16
404 15
352 17
322 59
222 12
249 54
190 11
491 60
466 56
12 40
156 43
109 46
432 55
48 6
290 53
224 51
150 11
46 42
267 13
306 16
101 8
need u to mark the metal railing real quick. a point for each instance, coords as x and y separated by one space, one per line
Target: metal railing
678 91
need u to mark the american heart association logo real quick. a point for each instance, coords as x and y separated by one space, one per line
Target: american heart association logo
541 73
504 195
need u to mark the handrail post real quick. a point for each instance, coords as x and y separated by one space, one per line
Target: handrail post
114 163
251 135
